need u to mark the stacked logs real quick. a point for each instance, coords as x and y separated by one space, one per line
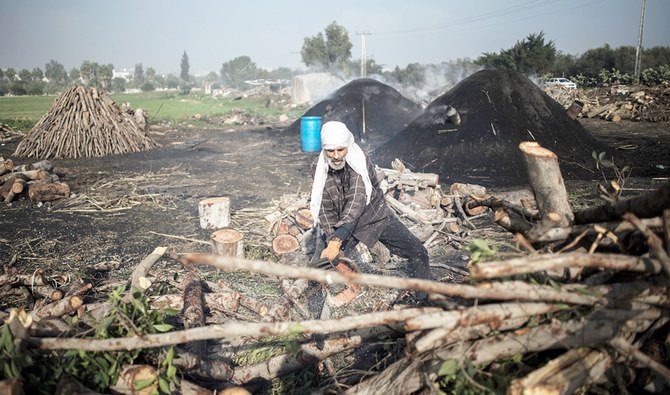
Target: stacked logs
617 103
35 181
84 123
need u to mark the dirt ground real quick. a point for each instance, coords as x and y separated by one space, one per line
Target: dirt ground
124 206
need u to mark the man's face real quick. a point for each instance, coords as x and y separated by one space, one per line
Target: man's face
335 157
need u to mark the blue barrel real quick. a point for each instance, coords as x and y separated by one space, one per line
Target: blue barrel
310 134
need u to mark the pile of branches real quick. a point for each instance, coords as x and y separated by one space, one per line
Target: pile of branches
618 102
588 304
36 181
84 123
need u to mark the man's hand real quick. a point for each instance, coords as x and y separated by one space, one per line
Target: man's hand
332 250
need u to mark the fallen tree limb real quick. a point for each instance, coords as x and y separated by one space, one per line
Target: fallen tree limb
513 290
546 262
233 329
645 206
139 277
626 349
653 241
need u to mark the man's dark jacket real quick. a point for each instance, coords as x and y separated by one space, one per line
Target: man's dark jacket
343 202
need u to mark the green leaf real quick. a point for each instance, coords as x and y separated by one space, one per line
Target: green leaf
594 154
607 163
169 356
163 327
448 368
587 292
601 156
296 330
164 385
562 306
479 244
553 285
142 384
171 371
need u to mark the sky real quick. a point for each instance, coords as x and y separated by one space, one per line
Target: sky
397 32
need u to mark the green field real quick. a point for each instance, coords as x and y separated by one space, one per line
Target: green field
22 112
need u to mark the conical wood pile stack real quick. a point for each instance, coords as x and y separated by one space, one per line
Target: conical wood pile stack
84 123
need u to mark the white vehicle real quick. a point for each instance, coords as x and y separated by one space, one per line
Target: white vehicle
563 82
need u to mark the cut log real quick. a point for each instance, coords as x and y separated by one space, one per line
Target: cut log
48 191
17 186
546 180
132 375
45 165
461 189
303 218
11 387
138 278
26 175
193 314
407 178
228 242
6 166
511 221
64 306
283 244
214 213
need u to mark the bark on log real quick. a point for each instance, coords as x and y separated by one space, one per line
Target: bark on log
646 206
228 242
11 387
405 211
246 301
626 349
193 314
230 330
214 213
45 165
545 262
285 243
464 190
6 166
65 306
48 191
546 180
17 187
513 290
565 374
421 180
511 221
28 175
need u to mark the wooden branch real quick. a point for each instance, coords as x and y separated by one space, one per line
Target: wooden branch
626 349
478 315
546 180
405 211
139 277
280 309
511 221
130 375
227 302
653 241
565 374
233 329
514 290
421 180
544 262
646 206
67 305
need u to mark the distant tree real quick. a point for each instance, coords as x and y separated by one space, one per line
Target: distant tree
75 75
18 87
2 75
105 75
371 67
10 73
25 75
57 76
148 87
88 72
532 55
282 73
37 74
212 76
138 75
95 75
593 61
184 67
36 87
171 81
235 72
333 50
150 74
412 75
119 84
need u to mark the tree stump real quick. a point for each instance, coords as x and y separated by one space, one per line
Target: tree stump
546 180
228 242
284 243
214 213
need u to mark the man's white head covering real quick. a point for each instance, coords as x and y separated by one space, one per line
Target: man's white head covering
335 135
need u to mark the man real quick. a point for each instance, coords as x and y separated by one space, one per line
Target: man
349 206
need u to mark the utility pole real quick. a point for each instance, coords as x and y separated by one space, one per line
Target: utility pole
638 52
363 60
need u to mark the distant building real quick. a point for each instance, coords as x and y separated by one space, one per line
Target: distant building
125 74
